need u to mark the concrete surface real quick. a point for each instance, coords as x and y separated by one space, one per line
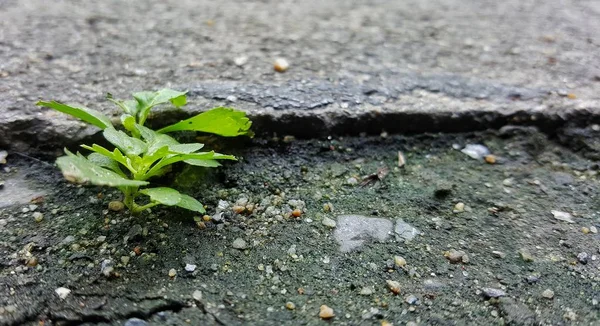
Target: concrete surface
355 66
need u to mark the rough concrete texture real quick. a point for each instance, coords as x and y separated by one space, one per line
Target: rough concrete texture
355 66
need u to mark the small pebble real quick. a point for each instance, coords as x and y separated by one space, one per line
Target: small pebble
190 268
326 312
238 209
476 151
459 208
367 290
411 299
531 279
585 230
135 322
563 216
281 65
498 254
583 257
62 292
526 255
490 159
290 305
493 293
399 261
116 206
239 243
197 295
508 182
328 222
593 229
125 260
548 294
296 213
394 286
32 262
240 61
38 217
172 272
454 256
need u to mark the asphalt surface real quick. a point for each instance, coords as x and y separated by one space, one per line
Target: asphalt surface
355 66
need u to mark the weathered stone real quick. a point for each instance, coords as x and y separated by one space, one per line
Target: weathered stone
354 230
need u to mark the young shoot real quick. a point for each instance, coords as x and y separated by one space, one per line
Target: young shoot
141 153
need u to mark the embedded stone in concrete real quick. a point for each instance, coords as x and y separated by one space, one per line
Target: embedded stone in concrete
355 230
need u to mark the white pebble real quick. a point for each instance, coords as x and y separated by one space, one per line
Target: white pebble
62 293
281 65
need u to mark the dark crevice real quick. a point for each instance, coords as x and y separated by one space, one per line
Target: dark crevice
95 318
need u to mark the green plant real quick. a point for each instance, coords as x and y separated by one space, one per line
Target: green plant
145 153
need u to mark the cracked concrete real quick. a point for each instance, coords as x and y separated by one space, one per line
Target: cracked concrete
396 66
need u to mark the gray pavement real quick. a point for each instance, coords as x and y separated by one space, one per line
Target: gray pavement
355 66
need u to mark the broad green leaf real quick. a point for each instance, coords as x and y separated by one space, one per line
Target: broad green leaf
128 106
148 159
163 195
196 156
159 142
147 100
148 134
190 203
126 143
115 155
203 163
172 197
220 121
80 170
171 159
88 115
185 148
128 122
105 162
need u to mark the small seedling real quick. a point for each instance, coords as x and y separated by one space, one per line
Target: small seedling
145 153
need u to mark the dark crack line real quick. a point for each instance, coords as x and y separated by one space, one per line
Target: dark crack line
96 318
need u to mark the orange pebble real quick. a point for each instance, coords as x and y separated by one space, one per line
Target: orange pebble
490 159
297 213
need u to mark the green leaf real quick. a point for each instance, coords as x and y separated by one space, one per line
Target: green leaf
190 203
128 106
157 141
126 143
171 159
88 115
163 195
128 122
148 134
114 155
105 162
80 170
185 148
147 100
172 197
220 121
203 163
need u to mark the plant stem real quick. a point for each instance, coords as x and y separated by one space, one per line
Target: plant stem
138 209
129 200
